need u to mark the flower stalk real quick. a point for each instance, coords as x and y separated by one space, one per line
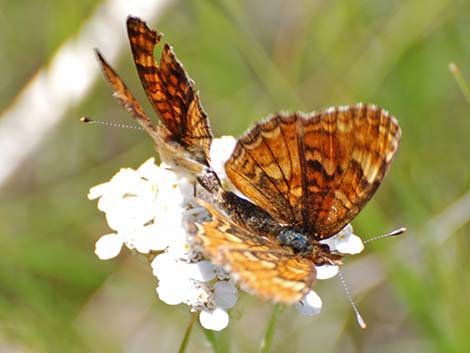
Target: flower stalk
187 333
266 344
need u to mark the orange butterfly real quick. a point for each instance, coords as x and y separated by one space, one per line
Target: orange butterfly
184 138
308 176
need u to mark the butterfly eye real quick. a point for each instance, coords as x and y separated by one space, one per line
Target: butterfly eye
325 247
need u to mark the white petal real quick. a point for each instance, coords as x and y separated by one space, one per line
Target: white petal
170 227
172 292
220 152
150 238
225 294
125 182
98 191
147 168
107 201
345 241
173 194
108 246
326 271
215 320
201 271
310 305
351 244
166 267
129 212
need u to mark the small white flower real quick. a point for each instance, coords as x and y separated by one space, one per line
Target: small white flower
345 242
172 292
201 271
98 191
225 294
125 182
129 212
199 295
165 266
108 246
216 319
148 209
145 207
151 239
149 170
310 305
326 271
220 152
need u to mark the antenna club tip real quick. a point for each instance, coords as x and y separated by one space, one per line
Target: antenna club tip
400 231
453 67
84 119
360 321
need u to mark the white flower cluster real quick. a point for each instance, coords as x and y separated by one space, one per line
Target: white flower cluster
148 209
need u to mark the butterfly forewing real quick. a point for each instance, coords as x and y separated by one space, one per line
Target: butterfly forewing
265 166
170 91
260 264
315 172
125 97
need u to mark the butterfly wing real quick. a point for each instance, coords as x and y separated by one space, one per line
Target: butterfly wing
315 172
265 166
125 97
355 147
259 264
170 91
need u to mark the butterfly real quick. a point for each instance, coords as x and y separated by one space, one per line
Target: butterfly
304 176
183 139
307 177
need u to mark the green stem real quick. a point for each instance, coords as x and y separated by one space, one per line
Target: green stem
268 337
454 70
212 338
187 333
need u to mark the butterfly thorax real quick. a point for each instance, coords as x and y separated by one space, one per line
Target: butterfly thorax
297 241
302 244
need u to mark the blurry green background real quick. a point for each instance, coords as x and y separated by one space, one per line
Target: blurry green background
248 59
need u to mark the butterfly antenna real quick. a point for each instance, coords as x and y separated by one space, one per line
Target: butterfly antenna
86 120
360 321
393 233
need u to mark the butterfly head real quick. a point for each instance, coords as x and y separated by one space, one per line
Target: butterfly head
300 243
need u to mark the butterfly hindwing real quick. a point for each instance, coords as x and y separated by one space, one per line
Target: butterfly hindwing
259 264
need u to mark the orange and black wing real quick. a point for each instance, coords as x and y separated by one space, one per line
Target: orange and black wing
315 172
259 264
170 92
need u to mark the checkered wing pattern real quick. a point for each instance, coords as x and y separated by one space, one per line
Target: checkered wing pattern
170 91
259 264
315 172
